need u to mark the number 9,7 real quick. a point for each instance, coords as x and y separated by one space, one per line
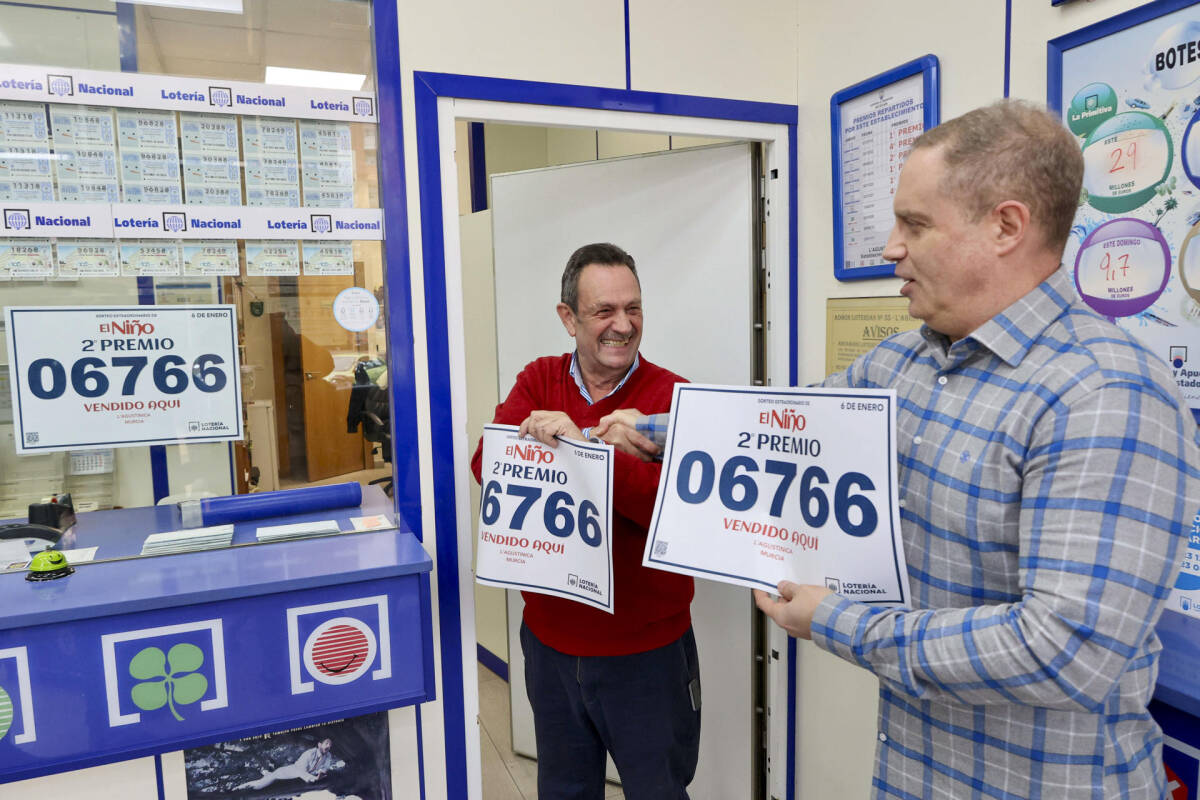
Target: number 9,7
558 514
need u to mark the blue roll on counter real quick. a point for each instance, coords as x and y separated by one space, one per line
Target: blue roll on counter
134 656
239 508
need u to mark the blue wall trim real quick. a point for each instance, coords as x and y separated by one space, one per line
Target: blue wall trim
507 90
791 719
492 662
127 32
158 777
427 88
420 750
398 288
441 430
1007 44
476 146
397 280
628 74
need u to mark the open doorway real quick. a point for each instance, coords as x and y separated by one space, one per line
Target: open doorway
701 256
440 100
532 166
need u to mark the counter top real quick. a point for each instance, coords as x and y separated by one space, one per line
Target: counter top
129 583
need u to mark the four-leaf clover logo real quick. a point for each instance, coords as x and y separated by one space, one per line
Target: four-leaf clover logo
160 687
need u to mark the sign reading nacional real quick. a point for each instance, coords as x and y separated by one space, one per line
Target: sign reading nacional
169 93
152 221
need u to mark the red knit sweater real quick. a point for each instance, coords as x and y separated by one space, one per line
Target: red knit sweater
651 606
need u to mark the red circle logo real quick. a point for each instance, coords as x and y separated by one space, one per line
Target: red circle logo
1177 788
339 650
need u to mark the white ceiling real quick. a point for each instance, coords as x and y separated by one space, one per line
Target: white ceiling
332 35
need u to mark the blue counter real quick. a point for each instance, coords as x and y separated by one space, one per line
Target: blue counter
132 657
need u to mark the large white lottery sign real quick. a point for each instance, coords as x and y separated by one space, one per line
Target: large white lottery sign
545 517
761 485
117 376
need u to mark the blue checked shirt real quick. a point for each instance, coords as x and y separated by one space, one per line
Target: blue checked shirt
1048 475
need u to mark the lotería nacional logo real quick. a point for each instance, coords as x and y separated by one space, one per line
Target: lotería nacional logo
338 643
321 223
16 219
60 85
1178 356
220 96
364 107
174 221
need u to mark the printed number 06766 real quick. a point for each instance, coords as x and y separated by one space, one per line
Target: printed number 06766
559 514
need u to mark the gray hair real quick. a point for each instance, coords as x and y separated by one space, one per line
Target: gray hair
602 253
1012 150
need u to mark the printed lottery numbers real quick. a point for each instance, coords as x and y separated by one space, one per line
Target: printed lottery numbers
738 490
48 377
559 514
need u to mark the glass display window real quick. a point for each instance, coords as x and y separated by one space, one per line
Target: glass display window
191 266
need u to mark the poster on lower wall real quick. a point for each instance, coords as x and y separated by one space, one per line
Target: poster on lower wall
340 760
1129 89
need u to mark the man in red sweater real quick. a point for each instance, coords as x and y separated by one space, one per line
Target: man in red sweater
629 682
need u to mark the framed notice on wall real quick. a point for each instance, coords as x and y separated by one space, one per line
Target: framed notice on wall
1127 87
873 126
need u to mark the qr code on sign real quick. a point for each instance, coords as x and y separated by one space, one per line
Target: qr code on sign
660 548
32 438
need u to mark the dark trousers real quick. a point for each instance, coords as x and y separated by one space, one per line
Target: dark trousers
638 707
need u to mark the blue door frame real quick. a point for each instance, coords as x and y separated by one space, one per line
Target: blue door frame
427 89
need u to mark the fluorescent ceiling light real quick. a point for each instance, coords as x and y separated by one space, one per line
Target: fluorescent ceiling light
223 6
315 78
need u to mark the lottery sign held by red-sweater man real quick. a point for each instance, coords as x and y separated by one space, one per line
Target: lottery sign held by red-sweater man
545 517
762 485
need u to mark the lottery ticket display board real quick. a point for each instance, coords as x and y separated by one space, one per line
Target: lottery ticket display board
178 159
1129 89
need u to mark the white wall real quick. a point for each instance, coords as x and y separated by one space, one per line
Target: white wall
836 701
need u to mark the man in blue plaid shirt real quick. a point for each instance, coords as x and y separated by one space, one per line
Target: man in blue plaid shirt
1048 478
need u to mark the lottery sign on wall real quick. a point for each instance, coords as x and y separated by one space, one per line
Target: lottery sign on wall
1131 94
112 376
545 517
760 485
